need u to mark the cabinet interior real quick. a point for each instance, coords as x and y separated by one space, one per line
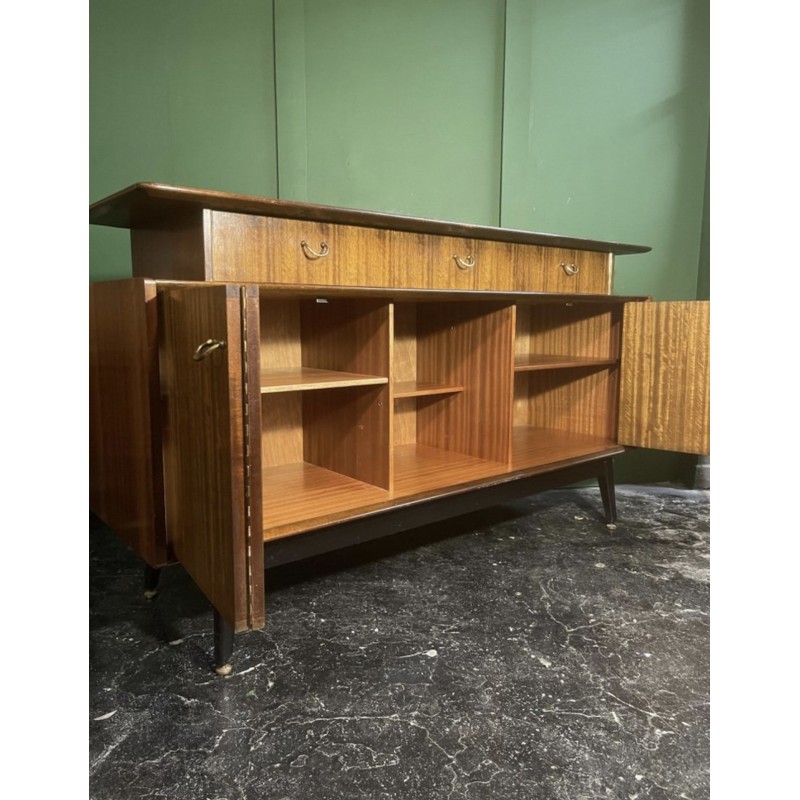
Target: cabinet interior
451 371
324 382
566 364
367 402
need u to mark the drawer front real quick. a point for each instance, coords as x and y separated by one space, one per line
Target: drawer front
449 262
555 269
242 247
275 250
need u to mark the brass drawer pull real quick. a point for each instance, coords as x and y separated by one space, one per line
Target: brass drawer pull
570 269
207 348
313 255
467 263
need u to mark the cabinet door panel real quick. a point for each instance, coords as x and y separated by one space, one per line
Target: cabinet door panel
204 436
125 488
664 399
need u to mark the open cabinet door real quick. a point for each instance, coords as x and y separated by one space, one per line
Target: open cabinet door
203 375
664 393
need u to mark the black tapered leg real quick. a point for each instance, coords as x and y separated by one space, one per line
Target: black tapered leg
607 489
223 645
151 576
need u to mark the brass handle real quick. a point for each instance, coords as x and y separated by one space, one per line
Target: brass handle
467 263
570 269
312 254
208 347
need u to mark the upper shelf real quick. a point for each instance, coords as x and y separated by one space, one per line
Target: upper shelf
306 378
532 362
147 204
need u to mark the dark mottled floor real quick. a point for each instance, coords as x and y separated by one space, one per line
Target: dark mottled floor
523 652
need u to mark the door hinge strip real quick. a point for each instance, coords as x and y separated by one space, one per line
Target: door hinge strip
247 459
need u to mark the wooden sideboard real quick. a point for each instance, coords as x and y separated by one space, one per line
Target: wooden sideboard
281 379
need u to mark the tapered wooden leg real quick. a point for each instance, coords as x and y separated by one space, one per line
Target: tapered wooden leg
607 489
151 576
223 645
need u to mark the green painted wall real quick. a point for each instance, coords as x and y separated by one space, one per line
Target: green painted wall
181 92
392 106
606 130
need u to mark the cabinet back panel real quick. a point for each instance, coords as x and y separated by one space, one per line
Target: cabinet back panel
405 421
404 357
472 346
578 330
348 431
346 335
281 429
568 400
280 334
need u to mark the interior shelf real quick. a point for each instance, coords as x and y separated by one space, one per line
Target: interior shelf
423 388
533 446
419 468
530 362
302 491
307 378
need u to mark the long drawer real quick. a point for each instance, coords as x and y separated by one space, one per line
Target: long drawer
263 249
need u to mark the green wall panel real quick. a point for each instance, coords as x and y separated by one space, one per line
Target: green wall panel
606 130
392 106
180 92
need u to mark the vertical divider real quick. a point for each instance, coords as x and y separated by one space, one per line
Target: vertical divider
390 403
512 382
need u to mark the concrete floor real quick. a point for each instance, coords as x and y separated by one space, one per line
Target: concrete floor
528 651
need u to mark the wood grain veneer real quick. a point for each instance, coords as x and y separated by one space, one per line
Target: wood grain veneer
125 468
172 249
268 249
298 492
307 378
664 398
568 329
537 447
420 468
467 345
529 363
204 444
422 389
404 371
341 349
548 274
580 400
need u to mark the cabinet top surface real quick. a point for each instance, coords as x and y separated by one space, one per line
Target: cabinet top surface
149 204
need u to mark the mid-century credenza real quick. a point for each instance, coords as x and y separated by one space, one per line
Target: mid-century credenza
281 379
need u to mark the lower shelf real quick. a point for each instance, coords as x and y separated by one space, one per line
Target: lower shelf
296 492
537 447
418 468
300 496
